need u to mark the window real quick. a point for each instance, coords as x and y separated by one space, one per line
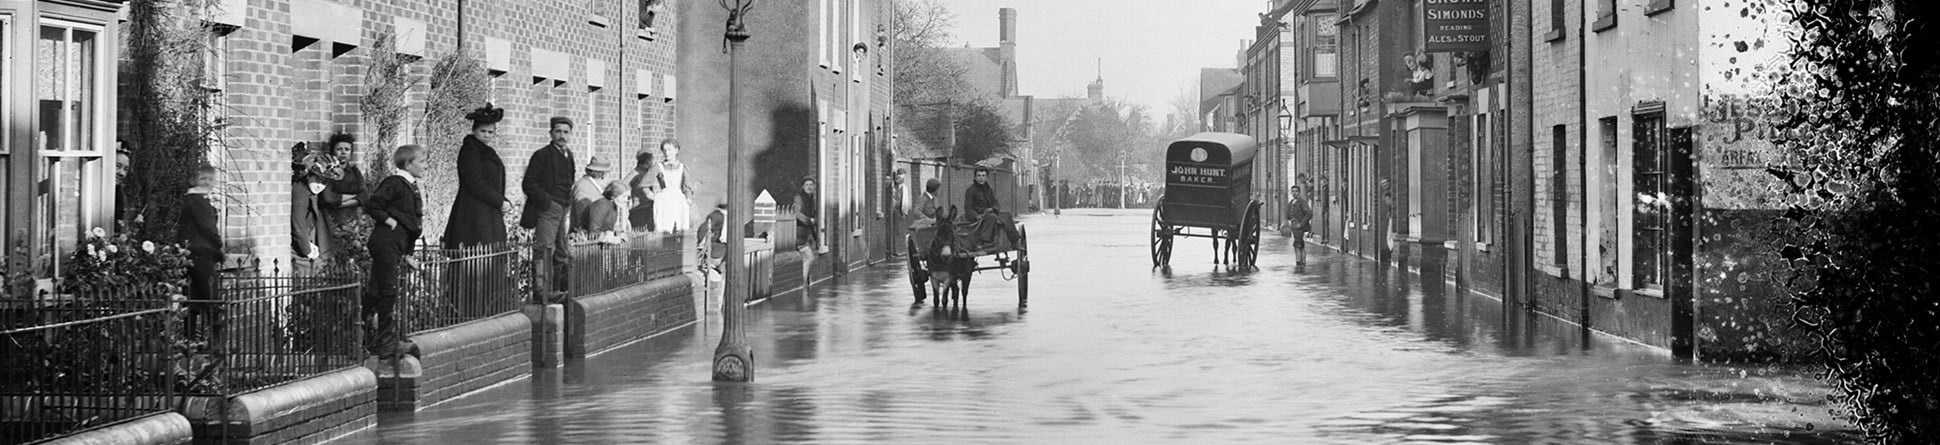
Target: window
1326 63
1558 17
649 10
66 86
827 12
1559 196
1658 6
1609 240
6 115
1652 205
1483 160
1606 15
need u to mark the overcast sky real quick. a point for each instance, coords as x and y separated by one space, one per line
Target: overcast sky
1152 49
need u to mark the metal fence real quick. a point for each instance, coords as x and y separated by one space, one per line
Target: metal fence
69 363
597 268
270 328
456 286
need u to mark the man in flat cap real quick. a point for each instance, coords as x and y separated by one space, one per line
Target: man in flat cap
548 187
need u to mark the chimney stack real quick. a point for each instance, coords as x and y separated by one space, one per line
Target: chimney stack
1007 25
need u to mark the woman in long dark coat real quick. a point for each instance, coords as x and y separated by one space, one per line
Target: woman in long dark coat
478 214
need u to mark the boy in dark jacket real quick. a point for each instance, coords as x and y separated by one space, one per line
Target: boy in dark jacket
199 232
398 209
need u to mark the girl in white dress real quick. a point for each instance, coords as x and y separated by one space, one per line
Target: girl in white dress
670 207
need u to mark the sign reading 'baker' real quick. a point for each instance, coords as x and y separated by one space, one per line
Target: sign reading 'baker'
1455 25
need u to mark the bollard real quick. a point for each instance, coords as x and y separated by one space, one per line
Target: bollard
548 334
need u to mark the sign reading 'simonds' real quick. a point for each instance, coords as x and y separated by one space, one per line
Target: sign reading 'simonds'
1455 25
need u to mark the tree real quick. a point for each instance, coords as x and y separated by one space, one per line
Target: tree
982 132
167 107
1859 110
1107 133
919 31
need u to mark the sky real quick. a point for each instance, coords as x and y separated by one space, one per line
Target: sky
1152 49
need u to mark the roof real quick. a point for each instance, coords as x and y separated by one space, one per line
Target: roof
981 68
1214 82
1239 146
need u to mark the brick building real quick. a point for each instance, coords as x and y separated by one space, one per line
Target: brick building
1310 83
287 71
814 94
1596 161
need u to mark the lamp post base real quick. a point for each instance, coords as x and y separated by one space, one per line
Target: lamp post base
733 363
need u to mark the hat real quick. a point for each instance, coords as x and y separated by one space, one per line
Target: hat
599 164
556 120
615 189
486 114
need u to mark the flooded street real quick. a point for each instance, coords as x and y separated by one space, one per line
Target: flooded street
1110 351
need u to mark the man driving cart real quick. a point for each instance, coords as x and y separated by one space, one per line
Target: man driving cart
981 202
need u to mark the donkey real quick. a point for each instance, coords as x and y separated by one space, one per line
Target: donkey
949 273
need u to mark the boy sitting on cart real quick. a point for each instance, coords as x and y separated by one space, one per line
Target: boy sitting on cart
981 201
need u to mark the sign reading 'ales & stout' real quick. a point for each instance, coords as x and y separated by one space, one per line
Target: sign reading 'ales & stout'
1455 25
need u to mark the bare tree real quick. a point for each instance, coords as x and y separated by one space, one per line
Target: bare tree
924 74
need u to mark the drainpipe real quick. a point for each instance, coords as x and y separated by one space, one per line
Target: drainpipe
461 26
1583 166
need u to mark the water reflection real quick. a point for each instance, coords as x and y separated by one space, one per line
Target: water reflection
1336 351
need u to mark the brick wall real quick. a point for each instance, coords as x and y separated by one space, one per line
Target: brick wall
276 93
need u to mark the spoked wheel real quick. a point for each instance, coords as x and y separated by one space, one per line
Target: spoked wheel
1161 239
1022 267
918 278
1247 241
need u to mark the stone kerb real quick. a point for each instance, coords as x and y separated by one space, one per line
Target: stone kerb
311 410
158 429
455 361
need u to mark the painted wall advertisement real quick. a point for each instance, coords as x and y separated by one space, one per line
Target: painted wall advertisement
1455 25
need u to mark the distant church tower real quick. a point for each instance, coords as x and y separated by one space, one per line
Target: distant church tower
1096 92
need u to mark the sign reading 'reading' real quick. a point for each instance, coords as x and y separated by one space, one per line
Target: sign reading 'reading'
1455 25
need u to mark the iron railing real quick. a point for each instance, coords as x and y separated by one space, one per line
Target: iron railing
598 268
270 328
69 363
456 286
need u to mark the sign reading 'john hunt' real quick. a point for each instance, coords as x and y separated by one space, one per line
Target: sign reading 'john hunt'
1456 25
1189 174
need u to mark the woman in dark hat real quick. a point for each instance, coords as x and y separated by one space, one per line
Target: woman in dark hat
478 214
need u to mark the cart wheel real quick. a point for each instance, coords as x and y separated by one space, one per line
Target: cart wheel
1248 238
918 277
1161 239
1022 267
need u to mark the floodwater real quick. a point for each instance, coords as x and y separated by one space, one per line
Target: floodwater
1111 351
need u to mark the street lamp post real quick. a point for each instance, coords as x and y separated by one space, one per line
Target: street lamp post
734 358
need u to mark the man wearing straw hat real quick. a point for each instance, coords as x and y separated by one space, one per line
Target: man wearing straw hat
589 190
